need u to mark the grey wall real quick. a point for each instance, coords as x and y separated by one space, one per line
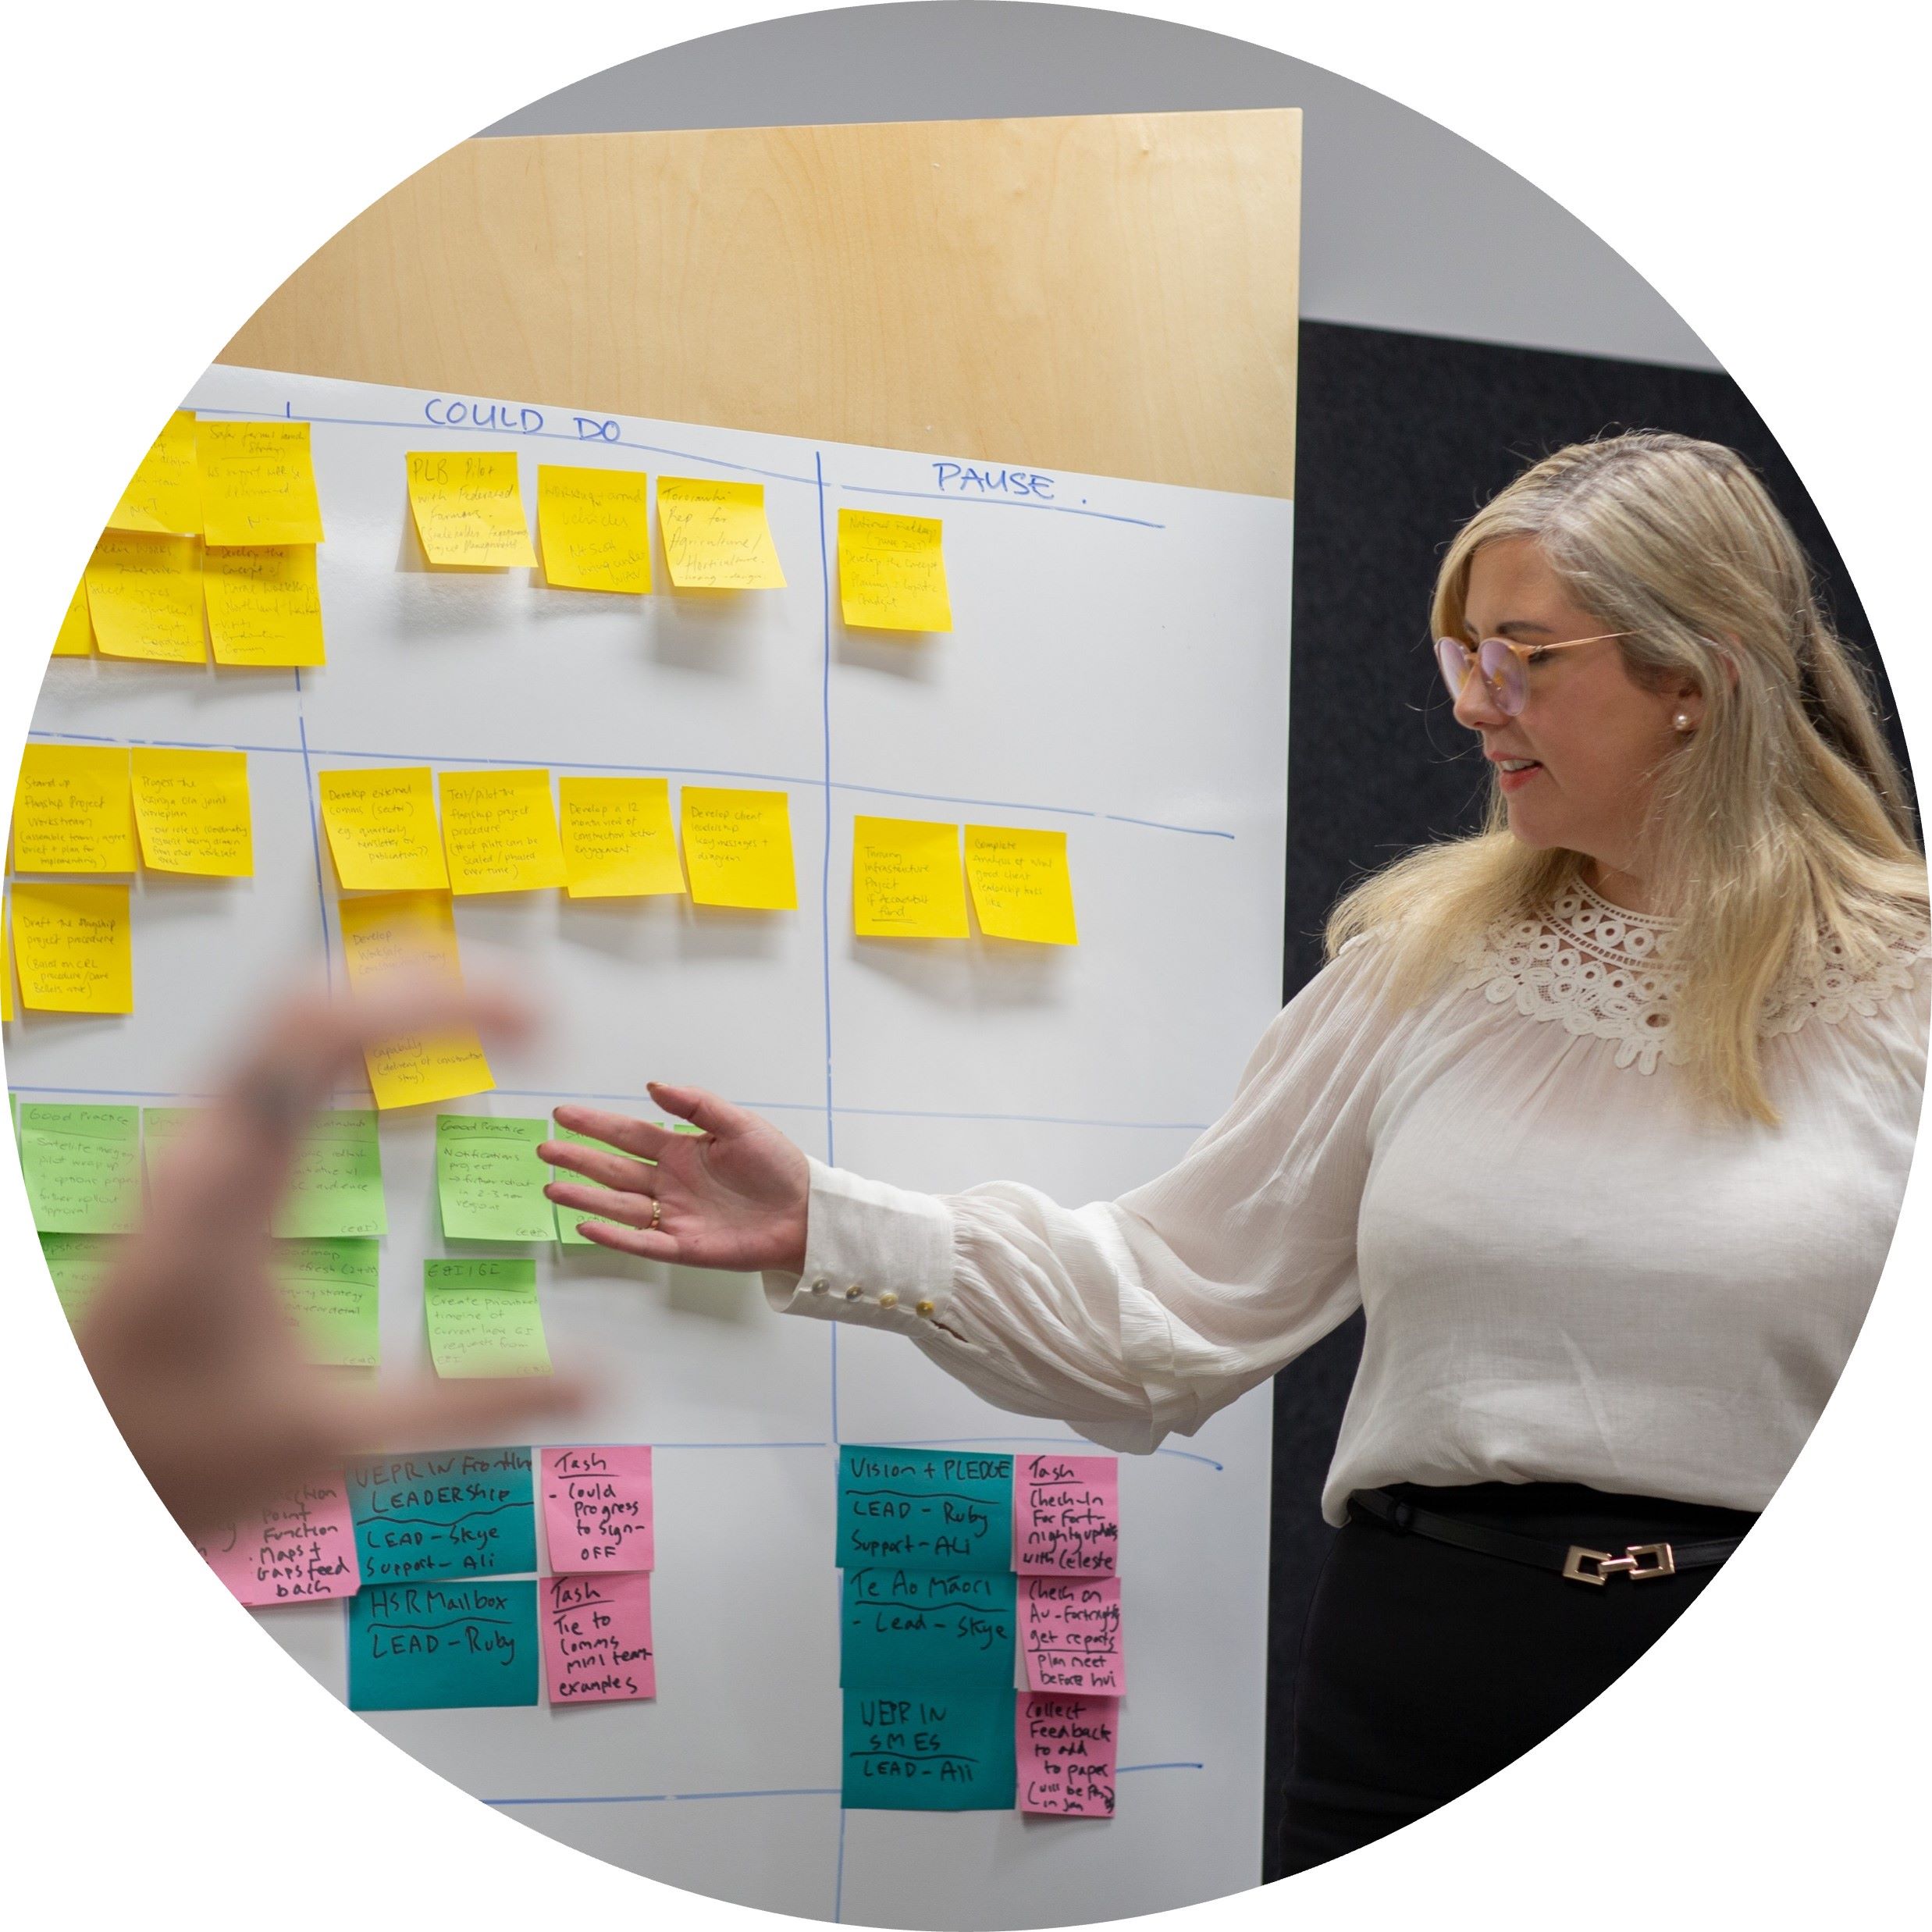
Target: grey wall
1405 225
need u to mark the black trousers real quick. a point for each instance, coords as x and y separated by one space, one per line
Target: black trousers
1425 1668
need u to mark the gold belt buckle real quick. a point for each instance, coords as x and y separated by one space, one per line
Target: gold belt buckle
1662 1562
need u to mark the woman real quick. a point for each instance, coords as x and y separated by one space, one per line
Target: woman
1604 1116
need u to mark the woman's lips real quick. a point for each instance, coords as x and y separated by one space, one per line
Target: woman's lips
1515 780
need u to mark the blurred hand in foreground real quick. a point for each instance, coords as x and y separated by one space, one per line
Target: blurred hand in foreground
733 1195
188 1339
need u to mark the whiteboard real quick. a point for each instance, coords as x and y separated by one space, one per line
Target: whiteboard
1118 670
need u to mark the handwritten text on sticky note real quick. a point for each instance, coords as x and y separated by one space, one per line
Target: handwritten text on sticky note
618 842
258 483
1066 1515
483 1319
468 507
737 848
1021 887
163 497
74 947
72 810
906 883
382 830
594 527
264 605
453 1513
597 1645
892 572
82 1165
1067 1748
144 598
500 831
192 809
597 1507
489 1183
297 1547
716 535
1069 1629
442 1646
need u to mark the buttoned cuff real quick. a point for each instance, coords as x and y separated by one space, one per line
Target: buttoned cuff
874 1254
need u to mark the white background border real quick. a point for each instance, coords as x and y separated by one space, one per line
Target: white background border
167 167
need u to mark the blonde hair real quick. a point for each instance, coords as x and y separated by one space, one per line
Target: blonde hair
1780 829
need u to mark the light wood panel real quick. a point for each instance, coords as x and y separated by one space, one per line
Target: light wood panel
1115 294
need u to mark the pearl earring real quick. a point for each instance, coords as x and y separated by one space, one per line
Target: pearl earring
1682 721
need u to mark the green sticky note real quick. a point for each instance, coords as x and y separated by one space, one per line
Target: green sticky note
77 1263
443 1515
927 1630
336 1188
925 1509
929 1751
161 1127
567 1218
483 1319
330 1289
444 1647
82 1165
489 1183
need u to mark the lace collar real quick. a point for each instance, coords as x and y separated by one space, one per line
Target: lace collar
1602 970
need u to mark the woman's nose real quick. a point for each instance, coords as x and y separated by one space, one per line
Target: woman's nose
1476 705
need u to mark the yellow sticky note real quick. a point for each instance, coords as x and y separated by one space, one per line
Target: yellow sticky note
6 963
1021 888
76 636
193 813
468 508
392 935
263 606
73 946
595 526
891 572
906 883
144 597
258 483
500 831
72 811
618 842
382 831
716 536
163 496
737 848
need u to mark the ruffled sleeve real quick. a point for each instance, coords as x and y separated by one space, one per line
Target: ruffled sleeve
1135 1318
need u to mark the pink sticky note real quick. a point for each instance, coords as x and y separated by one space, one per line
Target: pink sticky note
597 1508
1064 1748
299 1547
1066 1515
1069 1630
597 1637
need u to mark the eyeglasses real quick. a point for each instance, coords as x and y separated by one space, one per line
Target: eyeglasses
1501 664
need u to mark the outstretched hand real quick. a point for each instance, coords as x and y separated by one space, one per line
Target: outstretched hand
732 1197
188 1339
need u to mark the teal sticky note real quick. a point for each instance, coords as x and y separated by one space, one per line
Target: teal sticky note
928 1751
902 1630
442 1646
926 1509
335 1189
82 1166
489 1183
457 1514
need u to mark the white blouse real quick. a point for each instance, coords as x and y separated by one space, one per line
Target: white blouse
1571 1272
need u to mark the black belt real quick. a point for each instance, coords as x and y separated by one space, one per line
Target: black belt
1640 1562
